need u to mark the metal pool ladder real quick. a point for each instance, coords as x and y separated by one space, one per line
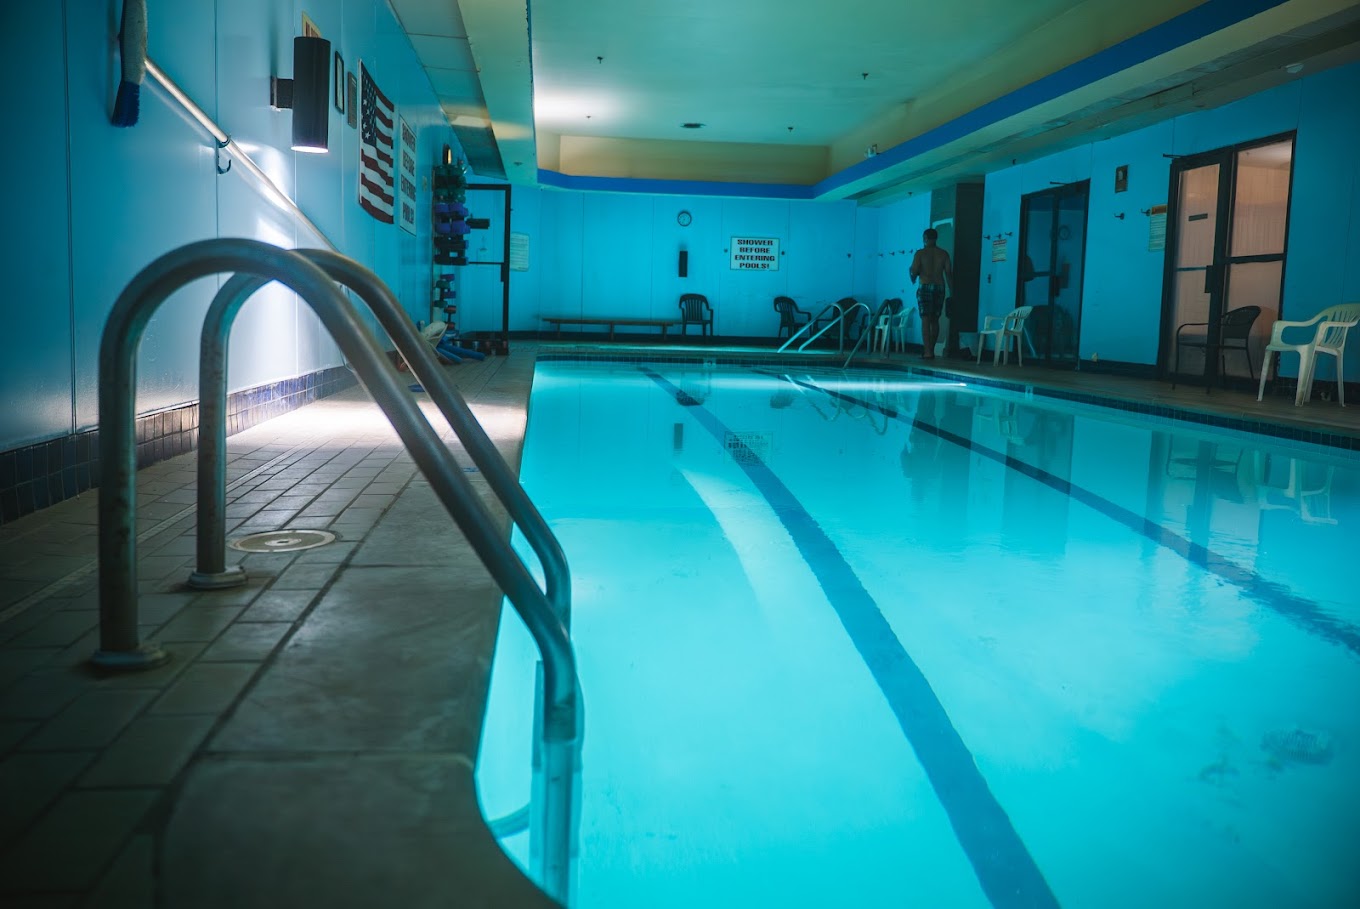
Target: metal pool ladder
839 319
313 275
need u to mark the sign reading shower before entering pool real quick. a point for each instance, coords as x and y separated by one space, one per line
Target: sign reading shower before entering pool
755 254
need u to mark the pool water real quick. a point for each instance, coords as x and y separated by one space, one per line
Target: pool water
876 640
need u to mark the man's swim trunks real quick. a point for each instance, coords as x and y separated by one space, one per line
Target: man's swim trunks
930 300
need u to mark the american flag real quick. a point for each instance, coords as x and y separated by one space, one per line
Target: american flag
375 150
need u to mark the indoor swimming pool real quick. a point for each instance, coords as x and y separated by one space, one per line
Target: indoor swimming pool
876 639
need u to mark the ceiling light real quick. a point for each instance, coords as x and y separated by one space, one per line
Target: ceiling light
470 120
1294 68
691 126
565 110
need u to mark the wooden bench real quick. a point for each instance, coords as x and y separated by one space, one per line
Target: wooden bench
559 321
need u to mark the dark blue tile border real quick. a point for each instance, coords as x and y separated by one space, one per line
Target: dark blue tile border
49 472
1004 867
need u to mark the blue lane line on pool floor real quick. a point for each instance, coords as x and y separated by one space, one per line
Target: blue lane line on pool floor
1002 863
1270 594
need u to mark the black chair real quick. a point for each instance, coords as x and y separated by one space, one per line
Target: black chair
1234 332
789 316
851 316
694 310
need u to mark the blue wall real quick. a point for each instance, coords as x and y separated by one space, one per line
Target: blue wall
899 236
96 204
615 254
1123 282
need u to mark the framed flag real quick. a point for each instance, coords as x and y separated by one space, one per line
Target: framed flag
377 135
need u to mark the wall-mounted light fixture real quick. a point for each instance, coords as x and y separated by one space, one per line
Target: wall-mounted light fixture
307 94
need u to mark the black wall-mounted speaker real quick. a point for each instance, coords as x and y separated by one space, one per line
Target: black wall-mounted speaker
684 263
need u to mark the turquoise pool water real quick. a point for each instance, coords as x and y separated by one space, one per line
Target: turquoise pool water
871 640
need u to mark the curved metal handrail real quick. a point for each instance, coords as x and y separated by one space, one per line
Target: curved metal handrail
120 645
869 329
212 481
812 323
839 320
802 330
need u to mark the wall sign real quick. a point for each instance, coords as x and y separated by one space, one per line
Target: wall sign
1157 228
406 178
755 254
999 249
519 252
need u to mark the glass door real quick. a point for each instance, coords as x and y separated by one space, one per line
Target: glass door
1052 266
1226 250
1256 246
1198 250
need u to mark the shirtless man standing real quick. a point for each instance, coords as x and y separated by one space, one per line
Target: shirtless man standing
931 264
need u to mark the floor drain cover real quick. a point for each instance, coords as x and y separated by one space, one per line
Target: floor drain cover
283 541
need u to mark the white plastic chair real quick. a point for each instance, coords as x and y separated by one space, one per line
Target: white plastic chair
1003 330
890 330
1329 337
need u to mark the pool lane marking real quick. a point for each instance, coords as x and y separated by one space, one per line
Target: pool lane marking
1002 863
1273 595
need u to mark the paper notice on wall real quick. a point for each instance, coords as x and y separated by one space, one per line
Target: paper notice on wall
519 252
999 249
1157 228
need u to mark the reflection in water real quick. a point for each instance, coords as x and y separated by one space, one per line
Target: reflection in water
871 405
1216 469
1291 484
1235 473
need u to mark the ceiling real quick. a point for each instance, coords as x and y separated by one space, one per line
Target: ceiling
863 99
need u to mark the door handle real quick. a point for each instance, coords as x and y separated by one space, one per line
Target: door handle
1212 278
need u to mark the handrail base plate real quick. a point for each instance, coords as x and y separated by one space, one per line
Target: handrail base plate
234 576
146 656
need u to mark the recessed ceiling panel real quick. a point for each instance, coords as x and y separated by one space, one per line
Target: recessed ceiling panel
443 53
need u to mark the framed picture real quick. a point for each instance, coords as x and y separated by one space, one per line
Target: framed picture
338 77
351 100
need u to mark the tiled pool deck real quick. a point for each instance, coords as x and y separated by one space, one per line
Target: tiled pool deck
312 740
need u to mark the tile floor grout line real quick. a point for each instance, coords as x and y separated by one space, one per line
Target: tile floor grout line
155 822
156 817
38 596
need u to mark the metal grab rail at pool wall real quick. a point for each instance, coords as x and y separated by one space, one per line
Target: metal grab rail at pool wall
805 328
840 318
120 646
883 308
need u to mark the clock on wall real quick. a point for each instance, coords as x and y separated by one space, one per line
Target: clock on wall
684 219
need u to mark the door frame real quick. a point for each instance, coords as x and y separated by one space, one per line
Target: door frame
1056 193
1226 158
